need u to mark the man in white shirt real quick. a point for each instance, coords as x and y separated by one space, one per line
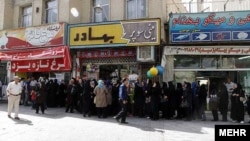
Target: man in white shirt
14 90
33 83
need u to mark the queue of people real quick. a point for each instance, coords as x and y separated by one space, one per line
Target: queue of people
149 99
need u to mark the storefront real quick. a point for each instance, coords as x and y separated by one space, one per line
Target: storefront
35 51
209 47
113 49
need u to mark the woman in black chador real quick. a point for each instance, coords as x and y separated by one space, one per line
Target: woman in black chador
237 107
139 99
223 101
155 100
187 96
86 98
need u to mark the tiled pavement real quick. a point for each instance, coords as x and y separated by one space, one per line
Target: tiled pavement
56 125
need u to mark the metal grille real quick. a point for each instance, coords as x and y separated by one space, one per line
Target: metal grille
144 69
102 61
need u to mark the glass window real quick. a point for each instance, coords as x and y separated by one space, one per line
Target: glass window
244 79
227 62
209 62
136 9
51 11
101 10
27 16
187 62
242 61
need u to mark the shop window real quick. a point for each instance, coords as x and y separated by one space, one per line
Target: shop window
145 53
26 16
101 10
242 61
244 79
51 9
227 62
188 76
136 9
209 62
187 62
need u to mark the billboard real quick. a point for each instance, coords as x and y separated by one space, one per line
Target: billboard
233 26
32 37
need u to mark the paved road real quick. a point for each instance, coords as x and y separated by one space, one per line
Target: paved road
56 125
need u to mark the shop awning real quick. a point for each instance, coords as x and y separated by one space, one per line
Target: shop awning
38 59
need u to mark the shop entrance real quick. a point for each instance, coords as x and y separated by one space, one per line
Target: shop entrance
107 72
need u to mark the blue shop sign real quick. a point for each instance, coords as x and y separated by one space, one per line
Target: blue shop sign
233 26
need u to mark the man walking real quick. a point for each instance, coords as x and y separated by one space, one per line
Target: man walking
14 90
123 99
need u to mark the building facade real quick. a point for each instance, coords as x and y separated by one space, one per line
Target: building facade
209 47
25 14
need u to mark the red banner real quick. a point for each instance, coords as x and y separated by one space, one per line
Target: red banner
107 53
41 60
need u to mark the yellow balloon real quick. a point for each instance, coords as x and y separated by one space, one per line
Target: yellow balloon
153 71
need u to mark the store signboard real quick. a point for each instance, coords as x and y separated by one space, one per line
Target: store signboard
40 59
120 33
232 26
32 37
106 53
191 50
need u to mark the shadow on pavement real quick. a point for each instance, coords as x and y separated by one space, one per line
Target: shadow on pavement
22 121
160 126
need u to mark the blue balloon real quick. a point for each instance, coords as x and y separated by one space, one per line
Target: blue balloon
149 75
160 70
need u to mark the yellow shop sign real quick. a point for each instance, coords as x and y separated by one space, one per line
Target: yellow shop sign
122 33
96 35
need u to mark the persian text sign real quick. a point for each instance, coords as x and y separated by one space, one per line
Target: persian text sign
209 50
107 53
123 33
39 36
41 60
210 27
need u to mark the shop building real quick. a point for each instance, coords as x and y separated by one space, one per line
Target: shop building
35 51
208 47
17 14
113 49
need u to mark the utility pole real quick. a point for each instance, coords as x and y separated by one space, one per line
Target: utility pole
225 5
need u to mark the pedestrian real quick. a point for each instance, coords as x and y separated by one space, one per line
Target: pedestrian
1 85
40 97
214 102
237 106
14 90
71 94
101 92
223 101
123 99
248 106
33 98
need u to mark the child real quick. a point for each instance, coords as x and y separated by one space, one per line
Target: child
33 98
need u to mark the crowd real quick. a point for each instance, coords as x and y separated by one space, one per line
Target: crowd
143 99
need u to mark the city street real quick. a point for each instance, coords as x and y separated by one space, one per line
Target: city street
56 125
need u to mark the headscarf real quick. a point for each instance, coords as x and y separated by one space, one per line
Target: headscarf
100 84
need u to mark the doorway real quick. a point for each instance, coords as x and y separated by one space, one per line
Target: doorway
107 72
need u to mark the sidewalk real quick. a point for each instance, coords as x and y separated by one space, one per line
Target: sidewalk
56 125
